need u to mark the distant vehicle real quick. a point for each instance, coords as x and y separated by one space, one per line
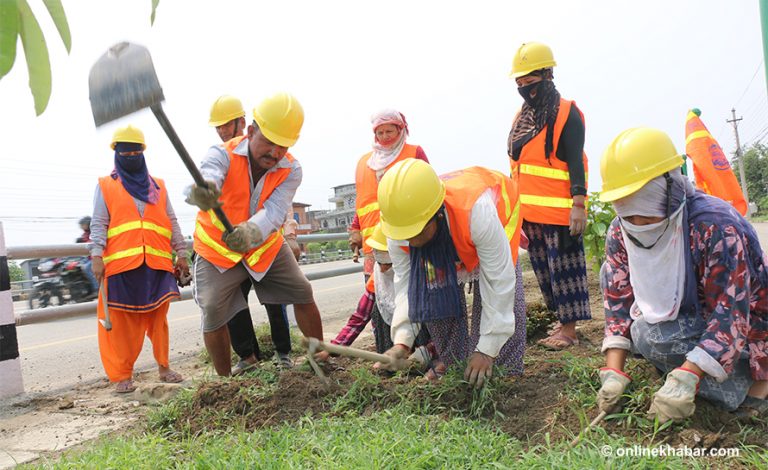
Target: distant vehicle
61 281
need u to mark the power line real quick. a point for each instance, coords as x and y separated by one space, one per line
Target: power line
759 66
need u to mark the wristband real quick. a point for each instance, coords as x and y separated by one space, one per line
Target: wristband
620 372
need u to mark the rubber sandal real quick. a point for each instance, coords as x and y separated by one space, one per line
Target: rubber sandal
242 367
558 337
171 377
284 361
751 407
125 386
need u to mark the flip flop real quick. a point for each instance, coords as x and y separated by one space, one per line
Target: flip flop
242 367
546 342
125 386
171 377
750 408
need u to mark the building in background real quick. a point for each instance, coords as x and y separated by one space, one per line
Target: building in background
338 218
300 215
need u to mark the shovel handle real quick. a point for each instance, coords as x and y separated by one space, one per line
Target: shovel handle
349 352
157 110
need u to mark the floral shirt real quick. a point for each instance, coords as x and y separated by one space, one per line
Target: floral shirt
732 289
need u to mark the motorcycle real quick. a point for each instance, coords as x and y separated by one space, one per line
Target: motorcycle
75 282
48 285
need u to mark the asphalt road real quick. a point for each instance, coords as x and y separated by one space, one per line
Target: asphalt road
62 354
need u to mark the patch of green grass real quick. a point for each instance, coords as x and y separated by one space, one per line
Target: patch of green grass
392 439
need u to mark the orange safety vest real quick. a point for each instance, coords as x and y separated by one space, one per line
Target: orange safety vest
545 186
366 187
462 189
134 239
236 202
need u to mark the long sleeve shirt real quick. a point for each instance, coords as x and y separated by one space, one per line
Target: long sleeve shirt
734 303
271 216
496 273
100 223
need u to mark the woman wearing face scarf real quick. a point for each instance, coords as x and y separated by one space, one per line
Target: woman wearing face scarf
546 151
133 234
685 285
390 131
443 232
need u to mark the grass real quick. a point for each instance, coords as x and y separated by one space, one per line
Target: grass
402 422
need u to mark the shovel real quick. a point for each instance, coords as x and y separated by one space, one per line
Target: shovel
105 322
314 345
124 81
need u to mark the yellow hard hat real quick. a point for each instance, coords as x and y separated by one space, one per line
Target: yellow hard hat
280 118
377 240
410 193
128 134
635 157
531 56
225 109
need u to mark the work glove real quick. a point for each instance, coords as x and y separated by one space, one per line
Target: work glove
614 382
243 237
675 400
205 197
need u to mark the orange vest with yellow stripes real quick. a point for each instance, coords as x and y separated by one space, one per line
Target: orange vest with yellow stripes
545 186
462 189
134 239
236 201
366 187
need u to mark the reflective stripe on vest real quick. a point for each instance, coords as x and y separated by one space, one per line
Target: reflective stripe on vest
366 187
236 200
137 224
545 192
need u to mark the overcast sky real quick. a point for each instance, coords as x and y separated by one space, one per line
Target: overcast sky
443 64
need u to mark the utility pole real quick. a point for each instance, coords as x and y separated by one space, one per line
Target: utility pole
743 179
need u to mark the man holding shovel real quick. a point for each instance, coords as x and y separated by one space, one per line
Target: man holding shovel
228 117
133 231
253 179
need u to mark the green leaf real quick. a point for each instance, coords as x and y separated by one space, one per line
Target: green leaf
9 32
36 53
600 229
60 20
154 7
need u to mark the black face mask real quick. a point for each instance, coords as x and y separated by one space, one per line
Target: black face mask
525 92
131 163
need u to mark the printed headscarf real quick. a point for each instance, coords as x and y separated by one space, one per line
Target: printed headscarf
536 114
383 155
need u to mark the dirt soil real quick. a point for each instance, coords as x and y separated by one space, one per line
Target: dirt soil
525 407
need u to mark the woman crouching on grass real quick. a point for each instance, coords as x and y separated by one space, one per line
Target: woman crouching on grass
685 285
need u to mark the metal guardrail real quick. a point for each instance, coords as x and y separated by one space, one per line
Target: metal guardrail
59 312
80 249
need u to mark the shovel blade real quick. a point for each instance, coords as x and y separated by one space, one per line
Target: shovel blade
122 82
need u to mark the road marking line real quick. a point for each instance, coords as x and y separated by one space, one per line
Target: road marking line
173 320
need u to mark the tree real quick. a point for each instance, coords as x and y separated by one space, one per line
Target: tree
18 21
755 160
17 274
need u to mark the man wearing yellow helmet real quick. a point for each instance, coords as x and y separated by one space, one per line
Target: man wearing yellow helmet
546 151
253 179
443 232
228 117
685 283
133 234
